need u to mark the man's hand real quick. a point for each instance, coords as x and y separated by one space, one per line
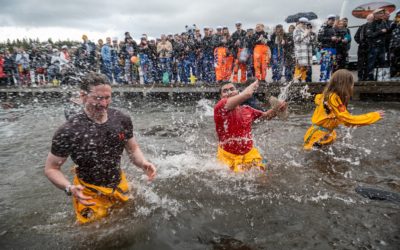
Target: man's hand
251 88
150 169
77 191
282 106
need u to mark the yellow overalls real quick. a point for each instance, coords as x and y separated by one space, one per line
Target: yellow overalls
105 198
326 119
241 163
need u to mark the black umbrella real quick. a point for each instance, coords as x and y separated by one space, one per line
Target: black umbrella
295 18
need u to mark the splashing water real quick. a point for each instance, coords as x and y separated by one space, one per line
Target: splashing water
305 93
304 200
283 95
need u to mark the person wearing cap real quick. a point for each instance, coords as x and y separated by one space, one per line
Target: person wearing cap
376 35
362 52
217 37
64 56
327 38
261 53
238 44
302 49
220 44
394 46
207 60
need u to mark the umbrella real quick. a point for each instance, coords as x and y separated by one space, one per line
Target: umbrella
295 18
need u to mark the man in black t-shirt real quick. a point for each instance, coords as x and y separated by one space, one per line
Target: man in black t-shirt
95 139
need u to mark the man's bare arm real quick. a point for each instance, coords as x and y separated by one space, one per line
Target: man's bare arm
236 100
136 156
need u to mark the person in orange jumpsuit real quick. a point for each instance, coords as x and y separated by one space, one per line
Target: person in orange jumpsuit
262 52
331 111
233 123
220 54
229 55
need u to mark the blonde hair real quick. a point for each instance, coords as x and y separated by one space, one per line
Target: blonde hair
341 83
260 25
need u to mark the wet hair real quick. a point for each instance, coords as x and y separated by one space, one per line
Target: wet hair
340 83
92 79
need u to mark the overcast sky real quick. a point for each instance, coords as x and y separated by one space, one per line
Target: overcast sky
98 18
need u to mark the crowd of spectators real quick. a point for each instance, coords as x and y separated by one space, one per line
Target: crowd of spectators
214 55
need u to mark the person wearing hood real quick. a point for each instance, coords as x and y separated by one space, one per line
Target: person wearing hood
262 53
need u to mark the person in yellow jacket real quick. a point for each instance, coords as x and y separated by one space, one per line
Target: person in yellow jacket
95 139
331 111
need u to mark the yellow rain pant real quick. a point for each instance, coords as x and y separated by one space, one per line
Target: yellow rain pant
105 199
300 72
241 163
328 115
317 135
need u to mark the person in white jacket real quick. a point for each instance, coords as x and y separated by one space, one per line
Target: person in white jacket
64 56
302 49
22 61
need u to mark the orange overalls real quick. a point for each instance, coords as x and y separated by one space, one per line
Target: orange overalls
328 116
241 66
228 68
261 60
220 59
